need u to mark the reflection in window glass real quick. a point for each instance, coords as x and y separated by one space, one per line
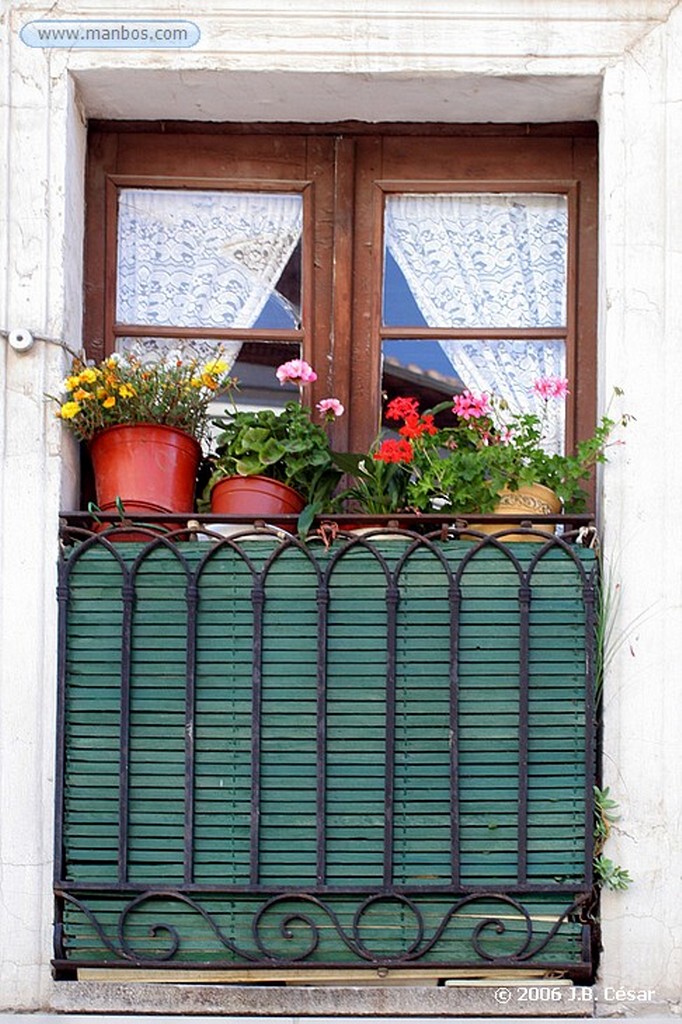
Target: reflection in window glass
252 363
475 260
208 258
255 371
421 370
434 371
283 308
509 369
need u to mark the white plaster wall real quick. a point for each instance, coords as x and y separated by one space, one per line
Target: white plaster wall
642 351
40 245
478 60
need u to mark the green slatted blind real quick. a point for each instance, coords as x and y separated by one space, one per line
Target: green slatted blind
482 755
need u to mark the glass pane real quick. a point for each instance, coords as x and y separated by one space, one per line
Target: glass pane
201 349
255 370
475 260
209 259
509 369
434 371
421 370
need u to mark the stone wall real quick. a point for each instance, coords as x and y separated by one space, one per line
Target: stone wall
297 60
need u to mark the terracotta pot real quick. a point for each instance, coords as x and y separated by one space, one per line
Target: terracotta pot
147 466
528 501
256 496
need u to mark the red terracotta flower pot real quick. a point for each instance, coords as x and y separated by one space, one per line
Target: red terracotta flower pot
257 496
149 467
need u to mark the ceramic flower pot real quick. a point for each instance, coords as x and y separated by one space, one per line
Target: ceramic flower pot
529 501
147 467
256 496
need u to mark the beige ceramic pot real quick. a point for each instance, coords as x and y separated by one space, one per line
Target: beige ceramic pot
529 501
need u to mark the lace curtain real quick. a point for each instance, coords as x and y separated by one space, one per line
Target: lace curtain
201 259
484 260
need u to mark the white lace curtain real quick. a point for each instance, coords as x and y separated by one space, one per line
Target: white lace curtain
487 260
201 258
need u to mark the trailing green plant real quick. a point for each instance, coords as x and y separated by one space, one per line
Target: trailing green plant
607 874
610 875
510 452
520 459
463 468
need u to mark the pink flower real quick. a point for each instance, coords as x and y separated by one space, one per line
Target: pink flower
551 387
330 407
297 371
468 406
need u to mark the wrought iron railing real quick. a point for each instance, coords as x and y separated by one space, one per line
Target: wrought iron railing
347 750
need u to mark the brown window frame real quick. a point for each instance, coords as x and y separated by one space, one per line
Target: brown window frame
344 171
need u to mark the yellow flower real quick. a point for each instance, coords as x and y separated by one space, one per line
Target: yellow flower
109 402
208 381
88 376
216 367
102 393
197 382
70 383
127 391
69 410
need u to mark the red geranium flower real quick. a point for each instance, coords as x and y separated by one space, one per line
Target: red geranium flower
428 426
415 426
401 408
412 426
394 451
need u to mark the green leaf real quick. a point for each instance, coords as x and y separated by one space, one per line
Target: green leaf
248 466
252 439
272 451
349 462
305 519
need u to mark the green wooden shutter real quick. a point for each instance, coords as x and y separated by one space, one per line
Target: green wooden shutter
376 753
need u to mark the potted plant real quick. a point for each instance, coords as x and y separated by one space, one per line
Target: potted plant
143 423
269 463
519 474
423 469
485 463
381 478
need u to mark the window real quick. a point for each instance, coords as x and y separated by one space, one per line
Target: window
411 260
358 750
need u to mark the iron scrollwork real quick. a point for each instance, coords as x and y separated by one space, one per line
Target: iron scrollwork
284 914
237 912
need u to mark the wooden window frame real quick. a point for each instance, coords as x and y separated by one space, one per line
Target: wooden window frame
344 171
115 330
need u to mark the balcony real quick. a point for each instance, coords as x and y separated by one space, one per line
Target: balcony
356 751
